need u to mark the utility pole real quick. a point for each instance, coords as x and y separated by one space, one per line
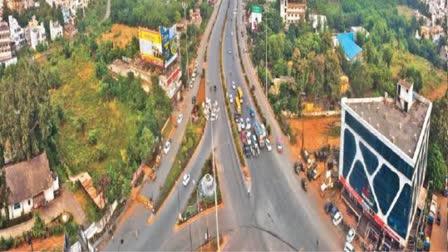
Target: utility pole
266 61
184 5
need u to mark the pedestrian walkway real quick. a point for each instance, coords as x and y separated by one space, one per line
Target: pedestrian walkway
439 232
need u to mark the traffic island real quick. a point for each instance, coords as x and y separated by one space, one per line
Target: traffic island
191 140
212 245
202 197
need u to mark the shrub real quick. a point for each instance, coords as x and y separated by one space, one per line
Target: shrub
92 137
38 229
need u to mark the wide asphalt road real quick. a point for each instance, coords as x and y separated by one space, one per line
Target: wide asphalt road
276 216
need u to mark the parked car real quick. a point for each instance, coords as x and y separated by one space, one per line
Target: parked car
337 218
186 179
247 151
304 184
230 98
243 125
233 85
328 206
268 144
236 117
349 247
334 210
279 145
180 117
350 235
167 146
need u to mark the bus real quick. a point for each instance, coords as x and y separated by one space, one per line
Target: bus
237 105
240 94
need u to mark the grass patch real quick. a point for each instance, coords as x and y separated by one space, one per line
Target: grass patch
113 123
432 76
203 203
405 11
120 35
190 142
88 206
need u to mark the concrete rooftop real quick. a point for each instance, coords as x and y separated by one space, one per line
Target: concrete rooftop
401 128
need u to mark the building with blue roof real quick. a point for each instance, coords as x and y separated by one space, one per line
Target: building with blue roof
351 50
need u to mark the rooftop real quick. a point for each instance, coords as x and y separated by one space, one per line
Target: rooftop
28 178
401 128
347 42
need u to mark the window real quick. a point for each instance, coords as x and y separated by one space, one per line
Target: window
29 202
399 216
386 185
16 206
349 152
379 146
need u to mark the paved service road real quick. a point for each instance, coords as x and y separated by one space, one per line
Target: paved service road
276 216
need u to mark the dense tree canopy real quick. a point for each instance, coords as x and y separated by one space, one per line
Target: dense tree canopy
436 167
25 121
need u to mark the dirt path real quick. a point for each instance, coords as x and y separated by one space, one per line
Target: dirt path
313 133
49 244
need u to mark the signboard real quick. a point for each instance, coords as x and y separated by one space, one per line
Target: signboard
151 46
169 44
256 9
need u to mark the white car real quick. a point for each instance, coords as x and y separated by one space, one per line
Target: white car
233 85
230 98
180 117
186 179
167 147
231 34
268 145
229 52
337 218
350 235
248 124
243 126
349 247
194 74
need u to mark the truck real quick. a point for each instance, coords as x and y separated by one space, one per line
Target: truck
260 131
238 105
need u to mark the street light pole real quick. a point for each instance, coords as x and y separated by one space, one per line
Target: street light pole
266 61
184 5
216 188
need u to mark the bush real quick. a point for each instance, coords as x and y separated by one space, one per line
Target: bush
92 137
38 229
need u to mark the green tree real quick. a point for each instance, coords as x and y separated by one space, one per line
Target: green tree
26 116
147 143
436 167
388 54
439 124
38 229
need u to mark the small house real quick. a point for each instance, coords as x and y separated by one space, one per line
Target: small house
31 185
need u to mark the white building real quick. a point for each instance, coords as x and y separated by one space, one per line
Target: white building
382 166
6 51
318 22
292 11
56 30
17 33
35 33
31 185
171 82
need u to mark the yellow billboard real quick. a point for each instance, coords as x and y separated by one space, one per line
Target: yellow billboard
151 46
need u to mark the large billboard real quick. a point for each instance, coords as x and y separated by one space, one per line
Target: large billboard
151 46
169 44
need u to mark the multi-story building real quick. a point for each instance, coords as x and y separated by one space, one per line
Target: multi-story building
6 51
35 33
292 11
17 33
55 30
384 145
